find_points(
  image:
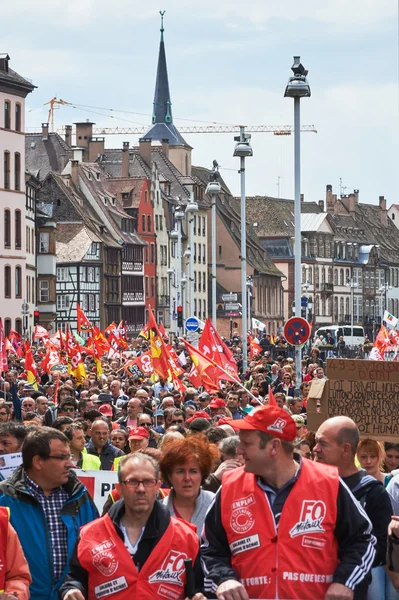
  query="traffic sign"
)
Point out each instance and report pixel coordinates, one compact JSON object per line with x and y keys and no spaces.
{"x":192,"y":324}
{"x":193,"y":338}
{"x":230,"y":297}
{"x":25,"y":308}
{"x":232,"y":306}
{"x":296,"y":331}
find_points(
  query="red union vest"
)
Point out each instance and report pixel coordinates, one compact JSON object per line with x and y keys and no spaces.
{"x":112,"y":572}
{"x":298,"y":561}
{"x":4,"y":518}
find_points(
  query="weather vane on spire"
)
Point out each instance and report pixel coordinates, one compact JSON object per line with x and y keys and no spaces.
{"x":162,"y":12}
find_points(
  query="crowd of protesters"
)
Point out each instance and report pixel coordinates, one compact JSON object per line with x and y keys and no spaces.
{"x":203,"y":475}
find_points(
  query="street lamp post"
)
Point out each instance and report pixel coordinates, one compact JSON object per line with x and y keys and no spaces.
{"x":384,"y":304}
{"x":297,"y":88}
{"x":249,"y":292}
{"x":191,"y":209}
{"x":352,"y":284}
{"x":171,"y":272}
{"x":243,"y":150}
{"x":179,"y":216}
{"x":213,"y":189}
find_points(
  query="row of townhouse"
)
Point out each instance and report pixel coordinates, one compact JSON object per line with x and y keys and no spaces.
{"x":350,"y":256}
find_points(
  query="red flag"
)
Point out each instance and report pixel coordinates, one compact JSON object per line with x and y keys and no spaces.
{"x":52,"y":362}
{"x":382,"y":340}
{"x":162,"y":331}
{"x":213,"y":347}
{"x":174,"y":361}
{"x":254,"y":348}
{"x":40,"y":332}
{"x":9,"y":346}
{"x":75,"y":362}
{"x":144,"y":333}
{"x":143,"y":363}
{"x":111,"y":327}
{"x":14,"y":335}
{"x":393,"y":336}
{"x":208,"y":370}
{"x":83,"y":322}
{"x":272,"y":399}
{"x":3,"y":353}
{"x":100,"y":342}
{"x":30,"y":367}
{"x":159,"y":353}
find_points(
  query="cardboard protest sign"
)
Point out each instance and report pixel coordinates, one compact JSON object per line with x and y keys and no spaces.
{"x":366,"y":391}
{"x":98,"y":484}
{"x":8,"y":464}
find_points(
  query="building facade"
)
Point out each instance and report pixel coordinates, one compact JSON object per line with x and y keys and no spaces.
{"x":13,"y":223}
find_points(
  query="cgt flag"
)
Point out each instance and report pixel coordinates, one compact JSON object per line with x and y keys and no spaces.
{"x":83,"y":322}
{"x":30,"y":367}
{"x":75,"y":362}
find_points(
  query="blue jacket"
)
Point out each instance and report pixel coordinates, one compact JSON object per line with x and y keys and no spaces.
{"x":28,"y":519}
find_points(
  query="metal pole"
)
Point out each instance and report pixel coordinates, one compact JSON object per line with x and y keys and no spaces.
{"x":298,"y":249}
{"x":243,"y":261}
{"x":190,"y":291}
{"x":352,"y":296}
{"x":170,"y":304}
{"x":213,"y":275}
{"x":178,"y":271}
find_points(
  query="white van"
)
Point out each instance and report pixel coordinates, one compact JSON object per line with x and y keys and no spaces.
{"x":353,"y":336}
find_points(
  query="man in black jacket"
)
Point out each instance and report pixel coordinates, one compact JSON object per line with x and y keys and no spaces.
{"x":336,"y":443}
{"x":148,"y":536}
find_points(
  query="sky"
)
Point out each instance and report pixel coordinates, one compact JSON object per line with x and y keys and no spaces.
{"x":229,"y":63}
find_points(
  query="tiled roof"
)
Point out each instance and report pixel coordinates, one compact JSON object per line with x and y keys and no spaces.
{"x":228,"y":209}
{"x":72,"y":242}
{"x":13,"y":79}
{"x":275,"y":216}
{"x":43,"y":156}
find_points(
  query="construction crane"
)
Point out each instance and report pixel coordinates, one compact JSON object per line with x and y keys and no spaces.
{"x":215,"y":128}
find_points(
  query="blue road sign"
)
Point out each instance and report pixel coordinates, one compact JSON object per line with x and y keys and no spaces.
{"x":192,"y":324}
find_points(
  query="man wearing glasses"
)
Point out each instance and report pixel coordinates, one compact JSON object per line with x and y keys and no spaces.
{"x":137,"y":550}
{"x":144,"y":420}
{"x":48,"y":505}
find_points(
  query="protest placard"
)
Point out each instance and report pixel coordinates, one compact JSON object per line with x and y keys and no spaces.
{"x":98,"y":484}
{"x":8,"y":464}
{"x":366,"y":391}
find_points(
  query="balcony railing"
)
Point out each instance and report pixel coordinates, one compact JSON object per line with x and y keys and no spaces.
{"x":326,"y":287}
{"x":163,"y":300}
{"x":133,"y":297}
{"x":128,"y":265}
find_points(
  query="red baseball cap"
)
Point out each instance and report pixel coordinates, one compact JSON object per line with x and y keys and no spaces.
{"x":217,"y":403}
{"x":270,"y":419}
{"x":106,"y":410}
{"x":199,"y":414}
{"x":139,"y":433}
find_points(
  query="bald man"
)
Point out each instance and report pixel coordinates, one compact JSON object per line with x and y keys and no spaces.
{"x":336,"y":444}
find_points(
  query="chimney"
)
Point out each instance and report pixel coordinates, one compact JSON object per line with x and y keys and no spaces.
{"x":145,"y":150}
{"x":302,"y":197}
{"x":96,"y":149}
{"x":68,"y":135}
{"x":352,"y":204}
{"x":356,"y":192}
{"x":165,"y":147}
{"x":74,"y":172}
{"x":383,"y":211}
{"x":125,"y":159}
{"x":4,"y":58}
{"x":44,"y":131}
{"x":84,"y":133}
{"x":321,"y":204}
{"x":330,"y":200}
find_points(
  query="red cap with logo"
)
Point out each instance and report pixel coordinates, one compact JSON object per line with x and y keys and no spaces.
{"x":199,"y":414}
{"x":269,"y":419}
{"x":217,"y":403}
{"x":139,"y":433}
{"x":106,"y":410}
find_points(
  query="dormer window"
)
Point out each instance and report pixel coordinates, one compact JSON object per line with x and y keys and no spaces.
{"x":112,"y":201}
{"x":105,"y":200}
{"x":98,"y":176}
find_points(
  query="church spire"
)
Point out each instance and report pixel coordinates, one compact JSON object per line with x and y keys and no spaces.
{"x":162,"y":108}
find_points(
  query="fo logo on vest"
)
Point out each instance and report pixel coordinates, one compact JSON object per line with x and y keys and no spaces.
{"x":312,"y":516}
{"x":103,"y":559}
{"x":171,"y":570}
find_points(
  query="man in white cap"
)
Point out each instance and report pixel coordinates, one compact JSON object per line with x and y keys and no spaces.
{"x":283,"y":528}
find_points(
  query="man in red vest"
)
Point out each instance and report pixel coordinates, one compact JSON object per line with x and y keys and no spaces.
{"x":14,"y":571}
{"x":282,"y":526}
{"x":137,"y":550}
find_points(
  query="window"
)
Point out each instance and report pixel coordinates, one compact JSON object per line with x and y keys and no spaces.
{"x":153,"y":286}
{"x":148,"y":222}
{"x":195,"y":281}
{"x":341,"y":277}
{"x":62,"y":302}
{"x":18,"y":326}
{"x":44,"y":243}
{"x":152,"y":253}
{"x":83,"y":272}
{"x":62,"y":274}
{"x":18,"y":282}
{"x":7,"y":327}
{"x":156,"y":222}
{"x":6,"y":170}
{"x":195,"y":252}
{"x":18,"y":232}
{"x":347,"y":306}
{"x":27,"y":239}
{"x":335,"y":276}
{"x":7,"y":114}
{"x":199,"y":287}
{"x":310,"y":275}
{"x":203,"y":226}
{"x":143,"y":222}
{"x":203,"y":254}
{"x":199,"y":307}
{"x":17,"y":117}
{"x":33,"y":290}
{"x":146,"y":287}
{"x":195,"y":307}
{"x":220,"y":251}
{"x":160,"y":222}
{"x":28,"y":289}
{"x":44,"y":288}
{"x":90,"y":274}
{"x":92,"y":302}
{"x":199,"y":253}
{"x":146,"y":197}
{"x":195,"y":224}
{"x":204,"y":282}
{"x":7,"y":281}
{"x":17,"y":171}
{"x":146,"y":254}
{"x":7,"y":228}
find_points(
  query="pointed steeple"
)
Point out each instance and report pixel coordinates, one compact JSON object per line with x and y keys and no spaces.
{"x":162,"y":108}
{"x":162,"y":119}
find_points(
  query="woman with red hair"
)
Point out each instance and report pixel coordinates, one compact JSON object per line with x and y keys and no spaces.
{"x":185,"y":465}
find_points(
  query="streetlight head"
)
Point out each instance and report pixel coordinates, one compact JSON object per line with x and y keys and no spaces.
{"x":170,"y":271}
{"x":213,"y":187}
{"x":243,"y":150}
{"x":179,"y":213}
{"x":187,"y":253}
{"x":183,"y":280}
{"x":298,"y":86}
{"x":298,"y":68}
{"x":174,"y":235}
{"x":192,"y":207}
